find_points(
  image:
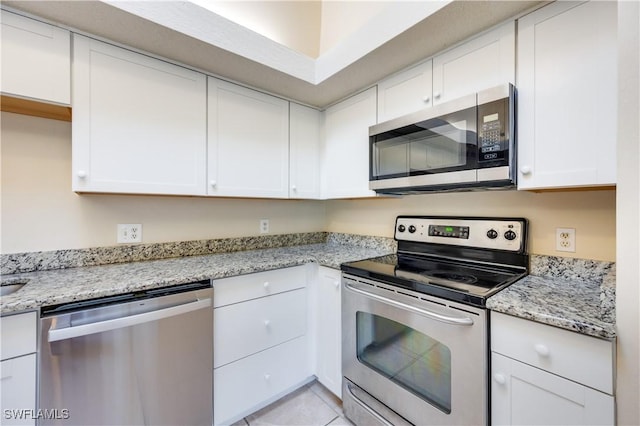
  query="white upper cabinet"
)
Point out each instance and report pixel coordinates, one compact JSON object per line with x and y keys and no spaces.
{"x":36,"y":60}
{"x":567,"y":102}
{"x":406,"y":92}
{"x":139,"y":124}
{"x":304,"y":151}
{"x":480,"y":63}
{"x":345,"y":154}
{"x":248,"y":142}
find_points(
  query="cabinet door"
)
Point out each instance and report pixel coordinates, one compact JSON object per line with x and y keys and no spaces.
{"x":567,"y":101}
{"x":480,"y":63}
{"x":406,"y":92}
{"x":248,"y":142}
{"x":345,"y":156}
{"x":524,"y":395}
{"x":139,"y":124}
{"x":329,"y":330}
{"x":36,"y":60}
{"x":305,"y":126}
{"x":18,"y":391}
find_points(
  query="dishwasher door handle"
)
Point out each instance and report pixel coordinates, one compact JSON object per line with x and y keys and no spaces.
{"x":99,"y":327}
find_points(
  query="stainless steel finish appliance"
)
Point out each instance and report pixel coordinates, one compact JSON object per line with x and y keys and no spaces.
{"x":461,"y":144}
{"x":134,"y":359}
{"x":415,"y":339}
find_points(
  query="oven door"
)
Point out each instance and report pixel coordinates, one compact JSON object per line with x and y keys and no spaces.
{"x":422,"y":357}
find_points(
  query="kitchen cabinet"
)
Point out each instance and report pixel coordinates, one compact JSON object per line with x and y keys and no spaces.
{"x":261,"y":348}
{"x":36,"y":60}
{"x":479,"y":63}
{"x":406,"y":92}
{"x":305,"y":127}
{"x":18,"y":369}
{"x":328,"y":329}
{"x":248,"y":142}
{"x":567,"y":96}
{"x":139,"y":123}
{"x":545,"y":375}
{"x":345,"y":150}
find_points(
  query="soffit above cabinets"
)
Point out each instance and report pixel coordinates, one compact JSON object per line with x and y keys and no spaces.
{"x":182,"y":32}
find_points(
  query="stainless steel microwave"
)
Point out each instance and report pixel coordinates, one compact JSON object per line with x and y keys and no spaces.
{"x":466,"y":143}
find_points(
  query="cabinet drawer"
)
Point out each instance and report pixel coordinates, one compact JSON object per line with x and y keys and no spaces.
{"x":247,"y":385}
{"x":18,"y":382}
{"x":245,"y":328}
{"x":18,"y":335}
{"x":251,"y":286}
{"x":577,"y":357}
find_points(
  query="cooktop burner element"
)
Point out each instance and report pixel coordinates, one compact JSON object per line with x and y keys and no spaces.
{"x":457,"y":258}
{"x":452,"y":276}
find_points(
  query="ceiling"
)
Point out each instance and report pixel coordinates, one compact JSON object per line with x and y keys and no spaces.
{"x":186,"y":33}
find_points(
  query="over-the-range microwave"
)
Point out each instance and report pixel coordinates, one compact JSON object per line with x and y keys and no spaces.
{"x":466,"y":143}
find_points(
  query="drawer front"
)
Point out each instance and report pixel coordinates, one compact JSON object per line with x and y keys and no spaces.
{"x":18,"y":390}
{"x":245,"y":328}
{"x":245,"y":386}
{"x":18,"y":335}
{"x":251,"y":286}
{"x":577,"y":357}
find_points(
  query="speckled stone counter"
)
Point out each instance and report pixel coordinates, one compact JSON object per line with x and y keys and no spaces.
{"x":574,"y":294}
{"x":52,"y":287}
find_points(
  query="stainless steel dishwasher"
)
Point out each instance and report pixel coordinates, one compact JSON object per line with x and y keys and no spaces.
{"x":134,"y":359}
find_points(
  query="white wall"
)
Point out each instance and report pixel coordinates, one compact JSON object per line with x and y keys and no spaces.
{"x":340,"y":19}
{"x":40,"y":212}
{"x":628,"y":206}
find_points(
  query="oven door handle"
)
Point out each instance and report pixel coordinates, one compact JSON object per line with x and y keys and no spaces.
{"x":429,"y":314}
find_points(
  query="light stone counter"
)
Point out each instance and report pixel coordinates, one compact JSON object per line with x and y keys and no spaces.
{"x":53,"y":287}
{"x":577,"y":295}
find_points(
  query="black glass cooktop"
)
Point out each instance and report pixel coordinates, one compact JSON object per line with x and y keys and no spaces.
{"x":454,"y":280}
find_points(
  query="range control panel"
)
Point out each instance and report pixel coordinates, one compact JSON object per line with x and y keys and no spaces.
{"x":490,"y":233}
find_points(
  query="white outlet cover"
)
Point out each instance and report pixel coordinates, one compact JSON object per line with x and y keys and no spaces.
{"x":264,"y":226}
{"x":566,"y":239}
{"x":129,"y":233}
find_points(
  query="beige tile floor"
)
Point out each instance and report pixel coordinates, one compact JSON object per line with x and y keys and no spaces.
{"x":311,"y":405}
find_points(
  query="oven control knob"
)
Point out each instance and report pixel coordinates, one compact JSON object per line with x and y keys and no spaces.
{"x":401,"y":228}
{"x":510,"y":235}
{"x":412,"y":229}
{"x":492,"y":234}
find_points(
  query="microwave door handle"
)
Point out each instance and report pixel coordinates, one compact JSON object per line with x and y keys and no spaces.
{"x":122,"y":322}
{"x":429,"y":314}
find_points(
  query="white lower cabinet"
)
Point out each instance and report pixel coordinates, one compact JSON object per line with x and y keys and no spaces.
{"x":328,"y":329}
{"x":544,"y":375}
{"x":18,"y":369}
{"x":261,"y":348}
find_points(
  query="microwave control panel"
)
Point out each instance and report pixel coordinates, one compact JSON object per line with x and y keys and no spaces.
{"x":493,"y":133}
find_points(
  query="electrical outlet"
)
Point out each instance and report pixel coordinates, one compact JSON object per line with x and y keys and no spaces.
{"x":264,"y":226}
{"x":566,"y":239}
{"x":129,"y":233}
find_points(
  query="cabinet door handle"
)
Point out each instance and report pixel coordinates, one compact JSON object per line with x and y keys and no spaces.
{"x":213,"y":183}
{"x":267,"y":376}
{"x":266,"y":284}
{"x":525,"y":170}
{"x":542,"y":350}
{"x":82,"y":174}
{"x":336,"y":283}
{"x":499,"y":378}
{"x":267,"y":323}
{"x":294,"y":188}
{"x":426,"y":99}
{"x":436,"y":95}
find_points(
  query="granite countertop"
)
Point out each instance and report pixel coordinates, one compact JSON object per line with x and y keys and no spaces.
{"x":573,"y":301}
{"x":53,"y":287}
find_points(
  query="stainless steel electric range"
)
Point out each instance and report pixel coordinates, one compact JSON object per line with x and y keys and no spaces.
{"x":415,"y":344}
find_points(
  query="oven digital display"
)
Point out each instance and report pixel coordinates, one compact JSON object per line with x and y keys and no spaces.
{"x":449,"y":231}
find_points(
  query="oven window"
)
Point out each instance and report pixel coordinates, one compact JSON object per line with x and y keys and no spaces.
{"x":409,"y":358}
